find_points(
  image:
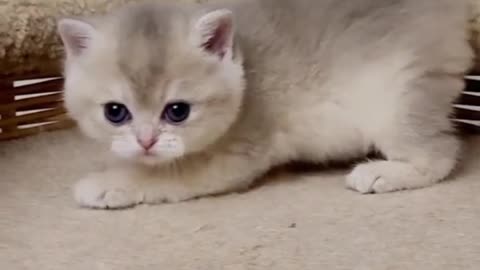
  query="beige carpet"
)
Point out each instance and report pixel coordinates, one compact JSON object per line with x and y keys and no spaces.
{"x":306,"y":222}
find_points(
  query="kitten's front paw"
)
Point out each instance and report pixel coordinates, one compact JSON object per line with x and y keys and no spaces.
{"x":377,"y":177}
{"x":95,"y":192}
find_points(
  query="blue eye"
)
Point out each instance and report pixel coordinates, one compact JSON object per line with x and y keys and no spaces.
{"x":176,"y":113}
{"x":116,"y":113}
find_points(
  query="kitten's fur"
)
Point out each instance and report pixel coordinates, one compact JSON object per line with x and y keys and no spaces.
{"x":309,"y":80}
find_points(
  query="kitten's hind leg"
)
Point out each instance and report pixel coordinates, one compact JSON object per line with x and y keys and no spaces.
{"x":418,"y":141}
{"x":413,"y":169}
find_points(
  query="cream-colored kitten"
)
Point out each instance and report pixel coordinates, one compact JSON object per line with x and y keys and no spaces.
{"x":204,"y":99}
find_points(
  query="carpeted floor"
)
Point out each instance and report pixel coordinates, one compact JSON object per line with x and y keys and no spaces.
{"x":307,"y":221}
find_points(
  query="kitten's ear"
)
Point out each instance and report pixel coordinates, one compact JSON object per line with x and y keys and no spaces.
{"x":76,"y":35}
{"x":214,"y":32}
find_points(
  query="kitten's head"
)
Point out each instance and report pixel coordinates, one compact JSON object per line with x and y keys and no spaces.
{"x":155,"y":82}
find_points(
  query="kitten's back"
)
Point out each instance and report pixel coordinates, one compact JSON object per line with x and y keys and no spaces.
{"x":306,"y":40}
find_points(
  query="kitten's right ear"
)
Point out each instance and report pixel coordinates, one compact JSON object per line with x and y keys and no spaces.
{"x":76,"y":35}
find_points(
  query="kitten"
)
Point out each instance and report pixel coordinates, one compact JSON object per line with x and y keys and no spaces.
{"x":203,"y":99}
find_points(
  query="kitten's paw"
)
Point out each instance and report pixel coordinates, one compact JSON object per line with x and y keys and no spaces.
{"x":379,"y":177}
{"x":95,"y":192}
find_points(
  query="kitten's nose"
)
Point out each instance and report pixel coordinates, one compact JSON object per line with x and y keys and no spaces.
{"x":147,"y":143}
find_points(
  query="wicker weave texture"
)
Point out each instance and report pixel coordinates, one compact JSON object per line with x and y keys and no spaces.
{"x":26,"y":109}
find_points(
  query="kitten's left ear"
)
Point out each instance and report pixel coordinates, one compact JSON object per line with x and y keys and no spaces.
{"x":213,"y":32}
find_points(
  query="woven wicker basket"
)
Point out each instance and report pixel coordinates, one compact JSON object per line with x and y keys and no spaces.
{"x":31,"y":104}
{"x":467,"y":107}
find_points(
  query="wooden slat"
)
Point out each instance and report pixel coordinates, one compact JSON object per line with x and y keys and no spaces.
{"x":55,"y":118}
{"x":42,"y":106}
{"x":20,"y":133}
{"x":472,"y":85}
{"x":54,"y":85}
{"x":5,"y":111}
{"x":466,"y":114}
{"x":30,"y":76}
{"x":468,"y":99}
{"x":467,"y":128}
{"x":22,"y":103}
{"x":30,"y":118}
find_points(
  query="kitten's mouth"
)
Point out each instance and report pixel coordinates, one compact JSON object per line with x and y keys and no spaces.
{"x":148,"y":159}
{"x":149,"y":154}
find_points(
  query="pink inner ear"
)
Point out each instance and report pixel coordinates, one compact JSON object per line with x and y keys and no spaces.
{"x":76,"y":35}
{"x":78,"y":43}
{"x":218,"y":42}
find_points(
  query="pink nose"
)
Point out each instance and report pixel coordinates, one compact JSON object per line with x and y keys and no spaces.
{"x":147,"y":144}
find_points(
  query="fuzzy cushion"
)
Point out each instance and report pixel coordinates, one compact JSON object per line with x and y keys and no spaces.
{"x":28,"y":39}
